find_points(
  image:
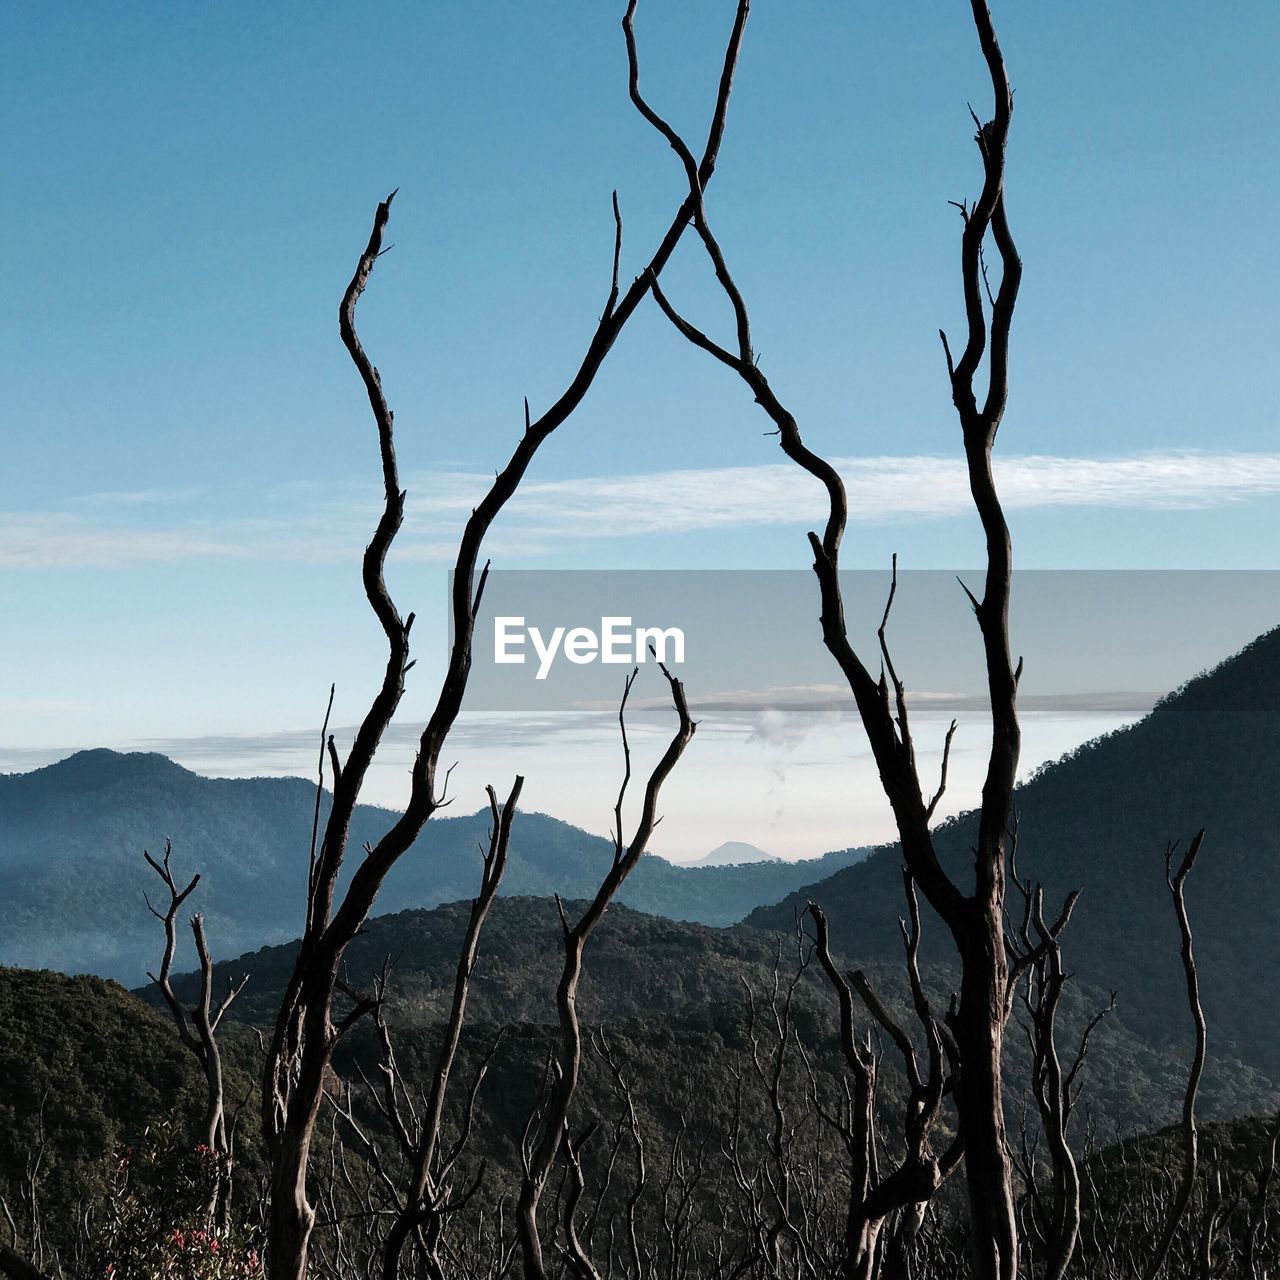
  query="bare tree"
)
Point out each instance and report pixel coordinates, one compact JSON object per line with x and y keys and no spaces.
{"x":770,"y":1164}
{"x":429,"y":1195}
{"x":1055,"y":1225}
{"x":1259,"y":1210}
{"x":566,"y":1065}
{"x":418,"y":1190}
{"x":40,"y":1254}
{"x":975,"y":919}
{"x":906,"y":1190}
{"x":1181,"y":1200}
{"x":309,"y":1026}
{"x":198,"y":1026}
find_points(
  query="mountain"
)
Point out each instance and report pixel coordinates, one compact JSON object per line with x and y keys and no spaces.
{"x":644,"y":969}
{"x":639,"y":965}
{"x":72,"y":877}
{"x":1100,"y":819}
{"x":734,"y":853}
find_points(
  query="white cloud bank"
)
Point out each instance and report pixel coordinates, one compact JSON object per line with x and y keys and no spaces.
{"x":894,"y":488}
{"x":881,"y":490}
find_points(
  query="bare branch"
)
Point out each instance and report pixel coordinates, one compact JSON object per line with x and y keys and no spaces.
{"x":1190,"y":1136}
{"x":567,"y":1064}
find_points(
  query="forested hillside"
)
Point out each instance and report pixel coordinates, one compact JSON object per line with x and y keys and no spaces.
{"x":86,"y":1067}
{"x":671,"y":998}
{"x":646,"y":968}
{"x":1100,"y":819}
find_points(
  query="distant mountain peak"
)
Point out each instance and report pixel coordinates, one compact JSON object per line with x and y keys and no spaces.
{"x":102,"y":767}
{"x":735,"y":853}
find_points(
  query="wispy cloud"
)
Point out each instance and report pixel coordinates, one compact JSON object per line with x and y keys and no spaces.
{"x":64,"y":541}
{"x":114,"y":529}
{"x":893,"y":489}
{"x":137,"y":497}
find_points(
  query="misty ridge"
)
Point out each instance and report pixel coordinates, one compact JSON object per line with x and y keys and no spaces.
{"x":260,"y":1028}
{"x":72,"y":835}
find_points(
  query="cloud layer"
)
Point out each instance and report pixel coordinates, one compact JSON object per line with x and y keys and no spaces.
{"x":895,"y":488}
{"x":114,"y":530}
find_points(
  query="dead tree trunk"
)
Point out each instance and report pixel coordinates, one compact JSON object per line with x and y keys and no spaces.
{"x":308,"y":1026}
{"x":873,"y":1197}
{"x":426,"y":1201}
{"x":1190,"y":1137}
{"x":975,"y":918}
{"x":552,"y":1124}
{"x":1255,"y":1232}
{"x":1037,"y":948}
{"x":419,"y":1194}
{"x":198,"y":1028}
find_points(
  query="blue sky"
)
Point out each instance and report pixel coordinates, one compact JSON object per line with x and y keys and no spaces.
{"x":189,"y":466}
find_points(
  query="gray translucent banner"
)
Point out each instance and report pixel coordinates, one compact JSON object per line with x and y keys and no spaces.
{"x":565,"y":640}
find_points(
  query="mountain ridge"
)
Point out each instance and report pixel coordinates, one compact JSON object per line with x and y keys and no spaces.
{"x":72,"y":876}
{"x":642,"y":967}
{"x":1100,"y":819}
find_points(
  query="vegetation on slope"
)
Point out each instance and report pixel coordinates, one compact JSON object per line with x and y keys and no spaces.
{"x":1100,"y":819}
